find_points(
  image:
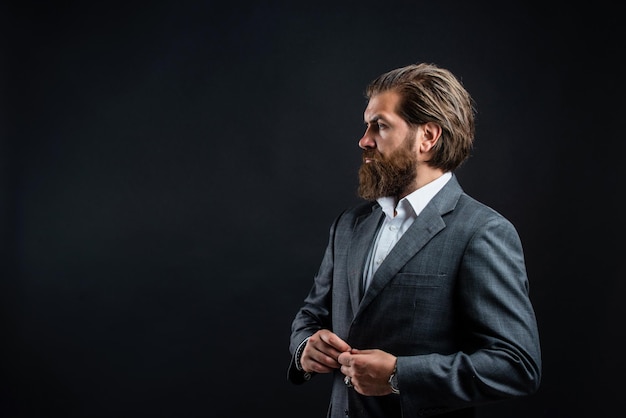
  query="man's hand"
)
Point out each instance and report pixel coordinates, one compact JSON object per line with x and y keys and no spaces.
{"x":322,"y":351}
{"x":369,"y":370}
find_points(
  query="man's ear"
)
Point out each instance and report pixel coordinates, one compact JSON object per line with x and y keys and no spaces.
{"x":431,"y":134}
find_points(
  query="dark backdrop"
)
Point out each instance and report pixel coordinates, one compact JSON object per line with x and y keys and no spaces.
{"x":169,"y":171}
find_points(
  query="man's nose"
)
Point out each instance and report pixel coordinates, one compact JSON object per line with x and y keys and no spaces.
{"x":367,"y":141}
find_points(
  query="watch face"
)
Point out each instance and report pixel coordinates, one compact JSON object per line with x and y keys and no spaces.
{"x":393,"y":382}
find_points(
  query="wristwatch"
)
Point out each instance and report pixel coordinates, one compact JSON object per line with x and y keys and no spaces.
{"x":393,"y":381}
{"x":298,"y":355}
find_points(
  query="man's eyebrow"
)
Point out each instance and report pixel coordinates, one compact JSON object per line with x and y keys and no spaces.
{"x":375,"y":119}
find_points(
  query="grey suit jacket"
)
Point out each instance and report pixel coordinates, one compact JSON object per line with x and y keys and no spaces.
{"x":451,"y":300}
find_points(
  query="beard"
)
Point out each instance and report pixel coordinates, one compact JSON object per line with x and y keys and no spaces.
{"x":388,"y":176}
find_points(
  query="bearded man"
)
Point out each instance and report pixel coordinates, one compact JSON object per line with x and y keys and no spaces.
{"x":421,"y":304}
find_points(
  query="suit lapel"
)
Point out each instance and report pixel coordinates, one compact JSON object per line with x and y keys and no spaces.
{"x":364,"y":233}
{"x":427,"y":225}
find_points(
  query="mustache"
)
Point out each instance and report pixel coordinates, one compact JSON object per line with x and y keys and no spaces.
{"x":372,"y":154}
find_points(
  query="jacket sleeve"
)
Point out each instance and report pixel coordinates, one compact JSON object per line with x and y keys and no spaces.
{"x":315,"y":313}
{"x":501,"y":358}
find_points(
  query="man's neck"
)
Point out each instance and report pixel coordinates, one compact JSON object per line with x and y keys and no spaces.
{"x":424,"y":175}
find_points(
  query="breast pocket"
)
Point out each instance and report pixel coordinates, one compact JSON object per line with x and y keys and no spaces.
{"x":418,"y":303}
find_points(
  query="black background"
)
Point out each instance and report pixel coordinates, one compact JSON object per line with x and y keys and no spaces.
{"x":169,"y":171}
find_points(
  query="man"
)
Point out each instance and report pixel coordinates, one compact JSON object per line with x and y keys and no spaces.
{"x":421,"y":304}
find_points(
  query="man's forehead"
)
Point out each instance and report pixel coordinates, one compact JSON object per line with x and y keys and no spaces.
{"x":381,"y":106}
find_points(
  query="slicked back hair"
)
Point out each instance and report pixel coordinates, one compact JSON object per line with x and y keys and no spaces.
{"x":429,"y":93}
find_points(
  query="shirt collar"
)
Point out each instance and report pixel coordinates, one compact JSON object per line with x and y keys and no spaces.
{"x":417,"y":200}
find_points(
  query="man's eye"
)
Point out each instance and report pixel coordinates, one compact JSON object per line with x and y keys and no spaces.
{"x":382,"y":126}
